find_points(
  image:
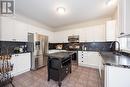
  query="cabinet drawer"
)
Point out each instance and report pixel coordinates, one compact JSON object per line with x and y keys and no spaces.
{"x":82,"y":55}
{"x":84,"y":52}
{"x":81,"y":61}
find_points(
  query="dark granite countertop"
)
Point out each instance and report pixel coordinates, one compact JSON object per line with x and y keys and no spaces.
{"x":20,"y":52}
{"x":60,"y":55}
{"x":115,"y":60}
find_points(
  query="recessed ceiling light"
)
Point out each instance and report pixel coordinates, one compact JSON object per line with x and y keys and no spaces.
{"x":61,"y":10}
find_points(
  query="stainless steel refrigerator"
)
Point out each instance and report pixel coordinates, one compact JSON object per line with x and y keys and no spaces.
{"x":40,"y":49}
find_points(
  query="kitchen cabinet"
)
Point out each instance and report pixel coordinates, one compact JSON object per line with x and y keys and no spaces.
{"x":117,"y":77}
{"x":7,"y":29}
{"x":12,"y":30}
{"x":111,"y":30}
{"x":22,"y":63}
{"x":124,"y":17}
{"x":82,"y":58}
{"x":94,"y":34}
{"x":20,"y":31}
{"x":89,"y":59}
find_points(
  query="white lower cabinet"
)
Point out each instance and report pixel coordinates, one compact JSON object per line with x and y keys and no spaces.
{"x":22,"y":63}
{"x":117,"y":77}
{"x":89,"y":59}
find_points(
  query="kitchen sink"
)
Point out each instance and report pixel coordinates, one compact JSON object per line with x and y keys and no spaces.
{"x":117,"y":53}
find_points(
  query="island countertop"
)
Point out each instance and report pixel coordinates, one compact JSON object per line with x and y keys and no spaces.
{"x":115,"y":60}
{"x":60,"y":55}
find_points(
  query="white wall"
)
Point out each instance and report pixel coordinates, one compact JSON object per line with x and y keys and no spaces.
{"x":34,"y":29}
{"x":88,"y":23}
{"x":87,"y":34}
{"x":35,"y":26}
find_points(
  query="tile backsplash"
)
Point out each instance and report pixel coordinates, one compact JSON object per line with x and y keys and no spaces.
{"x":9,"y":46}
{"x":90,"y":46}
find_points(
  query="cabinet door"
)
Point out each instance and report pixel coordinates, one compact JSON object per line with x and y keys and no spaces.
{"x":95,"y":34}
{"x":121,"y":16}
{"x":117,"y":77}
{"x":124,"y":17}
{"x":26,"y":61}
{"x":20,"y":31}
{"x":99,"y":33}
{"x":127,"y":16}
{"x":21,"y":63}
{"x":110,"y":30}
{"x":90,"y":35}
{"x":7,"y":29}
{"x":93,"y":59}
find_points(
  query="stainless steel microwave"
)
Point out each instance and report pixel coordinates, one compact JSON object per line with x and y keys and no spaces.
{"x":74,"y":38}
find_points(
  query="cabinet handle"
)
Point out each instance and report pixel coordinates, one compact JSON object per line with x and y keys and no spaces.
{"x":82,"y":61}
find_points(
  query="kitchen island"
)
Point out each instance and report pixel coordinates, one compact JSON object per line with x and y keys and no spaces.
{"x":59,"y":66}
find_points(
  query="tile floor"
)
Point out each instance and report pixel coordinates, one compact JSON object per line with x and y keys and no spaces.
{"x":80,"y":77}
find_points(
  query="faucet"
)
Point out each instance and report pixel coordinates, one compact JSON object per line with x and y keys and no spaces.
{"x":118,"y":45}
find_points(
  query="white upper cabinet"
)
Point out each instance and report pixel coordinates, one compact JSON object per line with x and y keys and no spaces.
{"x":12,"y":30}
{"x":20,"y":31}
{"x":88,"y":34}
{"x":124,"y":17}
{"x":127,"y":16}
{"x":111,"y":30}
{"x":95,"y":34}
{"x":7,"y":29}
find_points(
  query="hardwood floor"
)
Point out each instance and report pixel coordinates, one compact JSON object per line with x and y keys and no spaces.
{"x":80,"y":77}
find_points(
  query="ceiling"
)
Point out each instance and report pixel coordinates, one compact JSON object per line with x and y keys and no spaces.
{"x":77,"y":11}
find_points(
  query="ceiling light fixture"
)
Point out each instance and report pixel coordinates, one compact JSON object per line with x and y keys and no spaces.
{"x":61,"y":10}
{"x":109,"y":2}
